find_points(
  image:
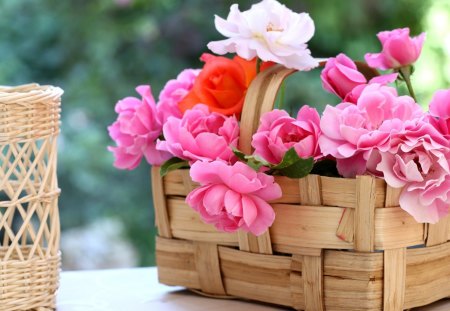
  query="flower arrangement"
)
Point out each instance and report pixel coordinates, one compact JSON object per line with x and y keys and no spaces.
{"x":374,"y":130}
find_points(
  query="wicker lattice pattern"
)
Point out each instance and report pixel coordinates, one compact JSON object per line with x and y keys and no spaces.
{"x":29,"y":219}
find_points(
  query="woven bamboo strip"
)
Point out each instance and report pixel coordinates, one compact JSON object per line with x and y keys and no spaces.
{"x":188,"y":184}
{"x":185,"y":223}
{"x":392,"y":196}
{"x":255,"y":244}
{"x":354,"y":265}
{"x":297,"y":295}
{"x":208,"y":268}
{"x":159,"y":202}
{"x":427,"y":275}
{"x":438,"y":233}
{"x":365,"y":214}
{"x":256,"y":276}
{"x":346,"y":227}
{"x":174,"y":184}
{"x":353,"y":281}
{"x":310,"y":193}
{"x":176,"y":263}
{"x":394,"y":279}
{"x":306,"y":226}
{"x":312,"y":273}
{"x":395,"y":228}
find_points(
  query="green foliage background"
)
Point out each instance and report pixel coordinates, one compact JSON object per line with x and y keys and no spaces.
{"x":98,"y":51}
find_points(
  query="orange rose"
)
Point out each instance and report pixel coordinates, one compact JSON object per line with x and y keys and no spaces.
{"x":221,"y":85}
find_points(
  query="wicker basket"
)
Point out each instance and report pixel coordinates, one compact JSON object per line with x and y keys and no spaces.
{"x":336,"y":244}
{"x":29,"y":220}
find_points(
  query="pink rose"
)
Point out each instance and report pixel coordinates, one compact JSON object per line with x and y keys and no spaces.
{"x":340,"y":76}
{"x":353,"y":95}
{"x":350,"y":132}
{"x":440,"y":112}
{"x":418,"y":161}
{"x":233,"y":197}
{"x":399,"y":49}
{"x":278,"y":132}
{"x":173,"y":92}
{"x":201,"y":135}
{"x":136,"y":130}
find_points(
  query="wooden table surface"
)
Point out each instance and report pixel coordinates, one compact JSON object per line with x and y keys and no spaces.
{"x":138,"y":290}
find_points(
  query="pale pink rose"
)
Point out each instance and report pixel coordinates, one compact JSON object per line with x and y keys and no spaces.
{"x":279,"y":132}
{"x":173,"y":92}
{"x":233,"y":197}
{"x":268,"y":30}
{"x":353,"y":95}
{"x":399,"y":49}
{"x":418,"y":162}
{"x":351,"y":131}
{"x":440,"y":112}
{"x":136,"y":130}
{"x":201,"y":135}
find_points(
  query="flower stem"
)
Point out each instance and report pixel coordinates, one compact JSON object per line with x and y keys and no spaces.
{"x":405,"y":72}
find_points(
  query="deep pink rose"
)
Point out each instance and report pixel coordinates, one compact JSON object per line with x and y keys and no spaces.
{"x":201,"y":135}
{"x":136,"y":130}
{"x":340,"y":76}
{"x":173,"y":92}
{"x":233,"y":197}
{"x":440,"y":112}
{"x":351,"y":131}
{"x":278,"y":132}
{"x":399,"y":49}
{"x":418,"y":162}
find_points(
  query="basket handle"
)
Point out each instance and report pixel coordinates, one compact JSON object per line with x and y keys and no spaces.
{"x":260,"y":98}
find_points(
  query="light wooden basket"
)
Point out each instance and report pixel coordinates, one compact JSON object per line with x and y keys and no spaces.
{"x":29,"y":219}
{"x":336,"y":243}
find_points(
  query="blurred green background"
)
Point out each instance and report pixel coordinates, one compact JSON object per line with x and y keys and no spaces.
{"x":98,"y":51}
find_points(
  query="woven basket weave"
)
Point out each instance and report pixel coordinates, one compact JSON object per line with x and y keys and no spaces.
{"x":336,"y":243}
{"x":29,"y":219}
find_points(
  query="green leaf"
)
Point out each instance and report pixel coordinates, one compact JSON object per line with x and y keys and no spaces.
{"x":299,"y":169}
{"x":254,"y":164}
{"x":239,"y":154}
{"x":293,"y":166}
{"x":254,"y":161}
{"x":173,"y":164}
{"x":289,"y":158}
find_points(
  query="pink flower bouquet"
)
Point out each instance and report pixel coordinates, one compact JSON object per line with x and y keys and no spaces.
{"x":374,"y":130}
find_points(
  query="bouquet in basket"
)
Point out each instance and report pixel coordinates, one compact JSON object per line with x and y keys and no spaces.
{"x":374,"y":130}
